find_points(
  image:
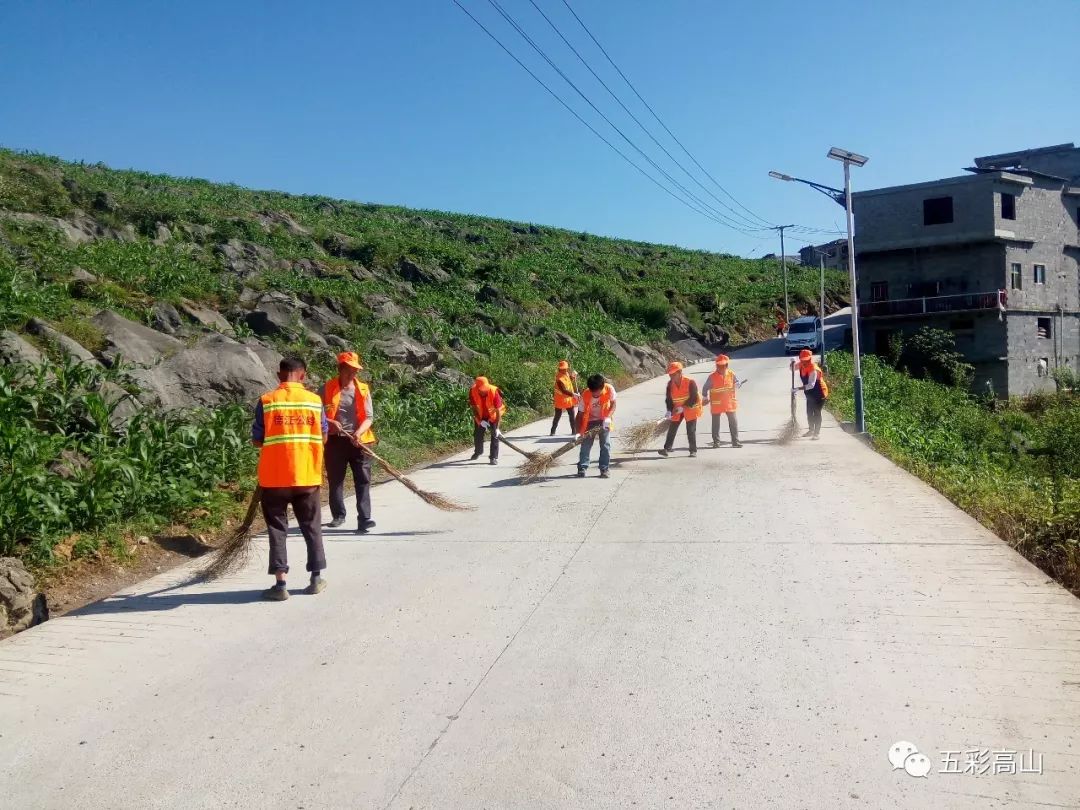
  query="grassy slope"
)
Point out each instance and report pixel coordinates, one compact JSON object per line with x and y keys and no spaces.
{"x":571,"y":282}
{"x":979,"y":455}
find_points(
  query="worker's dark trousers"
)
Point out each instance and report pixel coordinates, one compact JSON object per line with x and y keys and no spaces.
{"x":732,"y":423}
{"x":341,"y":455}
{"x":813,"y":414}
{"x":308,"y":510}
{"x":478,"y":439}
{"x":570,"y":413}
{"x":691,"y":434}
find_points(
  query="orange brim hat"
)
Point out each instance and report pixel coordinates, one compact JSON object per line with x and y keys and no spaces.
{"x":674,"y":367}
{"x":351,"y":359}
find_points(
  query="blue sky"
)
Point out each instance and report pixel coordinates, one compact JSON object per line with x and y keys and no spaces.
{"x":408,"y":102}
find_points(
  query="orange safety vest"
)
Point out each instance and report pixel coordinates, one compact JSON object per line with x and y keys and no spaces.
{"x":679,"y":396}
{"x":332,"y":396}
{"x":607,"y":402}
{"x":563,"y":400}
{"x":482,"y":405}
{"x":721,"y":390}
{"x":804,"y":373}
{"x":292,"y":448}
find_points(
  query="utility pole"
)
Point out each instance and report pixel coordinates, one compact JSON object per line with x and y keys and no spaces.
{"x":821,"y":308}
{"x":783,"y":261}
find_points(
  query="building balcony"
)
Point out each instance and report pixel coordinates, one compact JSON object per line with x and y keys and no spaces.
{"x":932,"y":305}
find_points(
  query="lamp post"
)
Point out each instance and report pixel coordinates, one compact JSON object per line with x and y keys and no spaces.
{"x":843,"y":198}
{"x":783,"y":262}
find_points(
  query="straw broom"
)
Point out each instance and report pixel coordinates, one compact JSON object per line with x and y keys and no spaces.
{"x":232,"y":554}
{"x":431,"y":498}
{"x":640,"y":435}
{"x":529,"y":454}
{"x":789,"y":431}
{"x":540,"y":463}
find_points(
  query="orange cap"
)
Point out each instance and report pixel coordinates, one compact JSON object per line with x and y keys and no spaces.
{"x":674,"y":367}
{"x":805,"y":355}
{"x":563,"y":365}
{"x":351,"y":359}
{"x":482,"y":384}
{"x":722,"y":359}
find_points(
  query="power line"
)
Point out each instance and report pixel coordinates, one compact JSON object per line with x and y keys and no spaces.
{"x":658,"y":119}
{"x":574,"y":113}
{"x":524,"y":35}
{"x":746,"y":222}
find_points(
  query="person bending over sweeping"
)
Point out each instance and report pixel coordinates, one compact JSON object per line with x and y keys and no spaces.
{"x":683,"y":405}
{"x":597,"y":410}
{"x":349,"y":411}
{"x":815,"y":388}
{"x":565,"y":396}
{"x":719,"y":395}
{"x":289,"y":429}
{"x":488,"y":409}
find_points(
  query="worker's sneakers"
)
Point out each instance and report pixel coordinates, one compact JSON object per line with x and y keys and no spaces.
{"x":815,"y":437}
{"x":552,"y":432}
{"x":604,"y":474}
{"x":808,"y":434}
{"x":581,"y":472}
{"x":493,"y":461}
{"x":317,"y":585}
{"x":663,"y":452}
{"x":475,"y":456}
{"x":363,"y":526}
{"x":278,"y":593}
{"x":338,"y":521}
{"x":693,"y":454}
{"x":736,"y":444}
{"x":715,"y":444}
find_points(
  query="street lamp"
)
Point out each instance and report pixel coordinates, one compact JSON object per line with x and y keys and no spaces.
{"x":849,"y":159}
{"x":843,"y":197}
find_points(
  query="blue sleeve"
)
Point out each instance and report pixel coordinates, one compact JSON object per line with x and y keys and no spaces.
{"x":325,"y":422}
{"x":258,"y":426}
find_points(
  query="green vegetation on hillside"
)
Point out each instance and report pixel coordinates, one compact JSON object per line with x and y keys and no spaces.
{"x":520,"y":296}
{"x":1015,"y":466}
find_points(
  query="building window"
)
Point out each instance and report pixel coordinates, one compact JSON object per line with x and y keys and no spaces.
{"x":962,"y":325}
{"x":879,"y":291}
{"x":937,"y":211}
{"x":1016,"y":276}
{"x":1008,"y":206}
{"x":1040,"y":274}
{"x":924,"y":289}
{"x":1044,"y":328}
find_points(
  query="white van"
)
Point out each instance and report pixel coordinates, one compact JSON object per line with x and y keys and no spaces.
{"x":803,"y":333}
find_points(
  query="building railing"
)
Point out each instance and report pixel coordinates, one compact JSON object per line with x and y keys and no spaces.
{"x":929,"y":305}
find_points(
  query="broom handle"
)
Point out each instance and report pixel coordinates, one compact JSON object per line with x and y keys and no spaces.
{"x":566,"y":448}
{"x":513,"y":446}
{"x":382,"y":462}
{"x":793,"y":393}
{"x":253,"y":505}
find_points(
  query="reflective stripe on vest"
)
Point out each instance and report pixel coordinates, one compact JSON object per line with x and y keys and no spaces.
{"x":721,"y":388}
{"x":482,"y":404}
{"x":332,"y":393}
{"x":292,"y":449}
{"x":561,"y":399}
{"x":606,"y":400}
{"x":680,"y":395}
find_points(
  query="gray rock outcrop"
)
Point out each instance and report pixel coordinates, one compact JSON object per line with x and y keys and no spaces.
{"x":21,"y":605}
{"x":217,"y":370}
{"x":690,"y":350}
{"x":640,"y":361}
{"x":68,"y":347}
{"x":412,"y":272}
{"x":246,"y":259}
{"x":132,"y":341}
{"x":382,"y":307}
{"x":403,"y":350}
{"x":13,"y":349}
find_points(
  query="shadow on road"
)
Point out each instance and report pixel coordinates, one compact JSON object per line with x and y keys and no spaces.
{"x":161,"y":600}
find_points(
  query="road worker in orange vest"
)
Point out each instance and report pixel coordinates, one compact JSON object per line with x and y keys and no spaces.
{"x":565,"y":396}
{"x":488,"y":408}
{"x":290,"y":428}
{"x":719,"y":394}
{"x":816,"y":389}
{"x":683,"y":405}
{"x":597,"y":411}
{"x":350,"y":414}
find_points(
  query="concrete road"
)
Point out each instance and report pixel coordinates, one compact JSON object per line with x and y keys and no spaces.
{"x":752,"y":628}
